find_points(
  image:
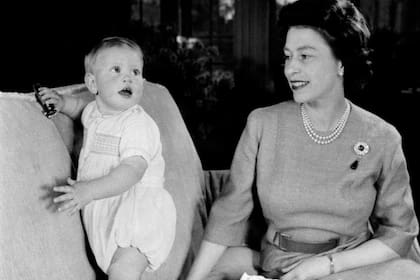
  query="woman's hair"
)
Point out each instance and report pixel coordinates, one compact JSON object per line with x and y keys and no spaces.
{"x":342,"y":26}
{"x":106,"y":43}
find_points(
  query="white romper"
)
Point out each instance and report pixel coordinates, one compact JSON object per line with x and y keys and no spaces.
{"x":144,"y":216}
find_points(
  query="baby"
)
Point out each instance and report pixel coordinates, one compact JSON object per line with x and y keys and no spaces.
{"x":129,"y":217}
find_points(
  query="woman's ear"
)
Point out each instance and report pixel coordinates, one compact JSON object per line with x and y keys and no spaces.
{"x":90,"y":83}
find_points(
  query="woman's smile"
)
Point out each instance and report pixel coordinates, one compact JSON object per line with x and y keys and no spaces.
{"x":297,"y":85}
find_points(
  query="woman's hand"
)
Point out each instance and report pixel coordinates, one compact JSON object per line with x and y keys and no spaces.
{"x":74,"y":197}
{"x":308,"y":269}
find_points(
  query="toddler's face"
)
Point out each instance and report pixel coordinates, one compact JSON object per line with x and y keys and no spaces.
{"x":118,"y":79}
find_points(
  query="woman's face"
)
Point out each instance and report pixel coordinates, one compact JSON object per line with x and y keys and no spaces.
{"x":310,"y":66}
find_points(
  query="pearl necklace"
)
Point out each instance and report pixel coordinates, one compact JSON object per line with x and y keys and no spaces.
{"x":323,"y":140}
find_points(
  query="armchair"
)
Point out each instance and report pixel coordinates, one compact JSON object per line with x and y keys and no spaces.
{"x":37,"y":153}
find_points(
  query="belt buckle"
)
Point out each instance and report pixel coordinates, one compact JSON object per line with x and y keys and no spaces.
{"x":282,"y":239}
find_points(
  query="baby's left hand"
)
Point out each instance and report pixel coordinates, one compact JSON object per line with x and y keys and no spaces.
{"x":74,"y":198}
{"x":308,"y":269}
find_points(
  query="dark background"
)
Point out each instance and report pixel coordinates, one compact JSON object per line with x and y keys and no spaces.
{"x":45,"y":42}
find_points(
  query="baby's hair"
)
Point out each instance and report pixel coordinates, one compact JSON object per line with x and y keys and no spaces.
{"x":106,"y":43}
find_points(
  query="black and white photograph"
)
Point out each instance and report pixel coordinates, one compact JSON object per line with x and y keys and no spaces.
{"x":209,"y":140}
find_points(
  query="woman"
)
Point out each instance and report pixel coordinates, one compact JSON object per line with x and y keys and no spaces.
{"x":331,"y":177}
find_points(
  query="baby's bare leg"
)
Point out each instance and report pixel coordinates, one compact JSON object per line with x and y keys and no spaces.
{"x":127,"y":264}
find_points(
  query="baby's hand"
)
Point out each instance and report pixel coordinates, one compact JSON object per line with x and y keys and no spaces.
{"x":74,"y":198}
{"x":51,"y":96}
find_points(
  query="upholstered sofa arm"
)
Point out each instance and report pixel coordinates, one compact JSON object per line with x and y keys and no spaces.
{"x":36,"y":241}
{"x":39,"y":153}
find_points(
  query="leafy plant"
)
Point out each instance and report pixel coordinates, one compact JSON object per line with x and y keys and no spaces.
{"x":188,"y":68}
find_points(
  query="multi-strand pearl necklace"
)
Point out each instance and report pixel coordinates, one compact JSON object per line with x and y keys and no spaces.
{"x":323,"y":140}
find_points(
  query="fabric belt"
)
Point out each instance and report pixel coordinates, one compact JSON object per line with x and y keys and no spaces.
{"x":285,"y":243}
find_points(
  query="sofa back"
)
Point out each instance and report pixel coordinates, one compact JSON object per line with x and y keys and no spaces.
{"x":29,"y":216}
{"x":183,"y":179}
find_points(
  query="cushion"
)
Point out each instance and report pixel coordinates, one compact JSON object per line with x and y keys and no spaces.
{"x":183,"y":180}
{"x":36,"y":241}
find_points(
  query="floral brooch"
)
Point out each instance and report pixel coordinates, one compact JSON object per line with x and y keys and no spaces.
{"x":361,"y":148}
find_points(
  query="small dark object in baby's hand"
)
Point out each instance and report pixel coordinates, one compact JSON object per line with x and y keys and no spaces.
{"x":47,"y":109}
